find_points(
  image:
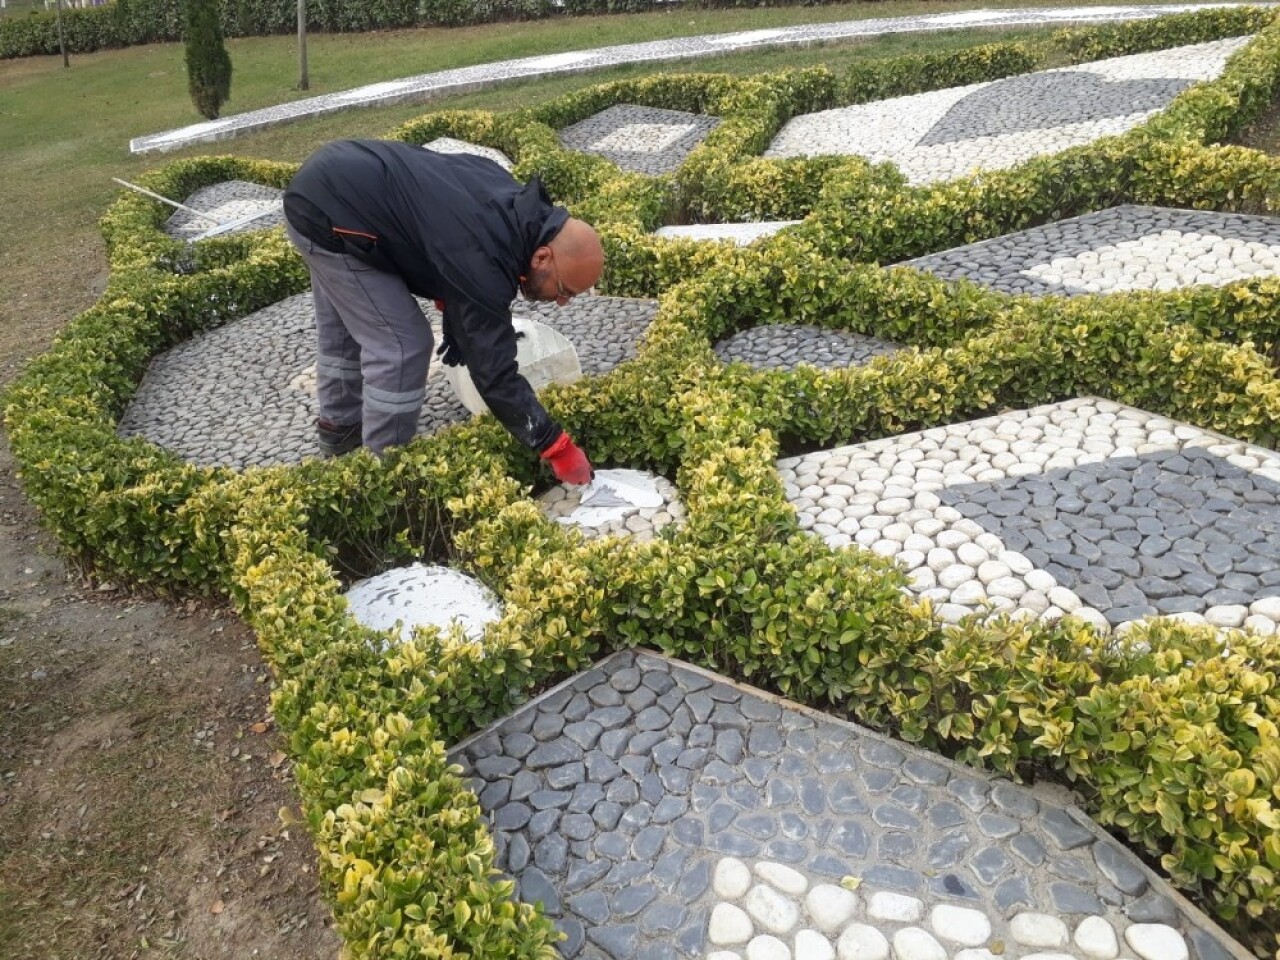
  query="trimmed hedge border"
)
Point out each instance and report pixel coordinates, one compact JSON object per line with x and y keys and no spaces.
{"x":1171,"y":740}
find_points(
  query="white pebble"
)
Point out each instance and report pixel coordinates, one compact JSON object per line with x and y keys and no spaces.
{"x":767,"y":948}
{"x":1262,"y":626}
{"x":830,"y":907}
{"x":1268,"y":607}
{"x":1038,"y":930}
{"x":969,"y":593}
{"x":989,"y":570}
{"x":894,"y":906}
{"x":1227,"y":615}
{"x":1064,"y":599}
{"x":1096,"y":939}
{"x":1041,"y":580}
{"x":940,"y":558}
{"x":1016,"y":562}
{"x":955,"y":575}
{"x":784,"y":878}
{"x":1156,"y":941}
{"x":922,"y":578}
{"x":861,"y":942}
{"x":1010,"y":587}
{"x":912,"y":943}
{"x":729,"y":924}
{"x":811,"y":945}
{"x":732,"y":878}
{"x":961,"y":925}
{"x":771,"y":910}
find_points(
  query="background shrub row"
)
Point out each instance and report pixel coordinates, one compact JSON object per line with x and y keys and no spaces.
{"x":1171,"y":740}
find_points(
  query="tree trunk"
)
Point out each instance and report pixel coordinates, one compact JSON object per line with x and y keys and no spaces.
{"x":303,"y":81}
{"x":62,"y":41}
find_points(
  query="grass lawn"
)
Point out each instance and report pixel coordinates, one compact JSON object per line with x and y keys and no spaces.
{"x":66,"y":131}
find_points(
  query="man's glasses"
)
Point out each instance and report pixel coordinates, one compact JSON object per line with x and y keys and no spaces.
{"x":563,"y":295}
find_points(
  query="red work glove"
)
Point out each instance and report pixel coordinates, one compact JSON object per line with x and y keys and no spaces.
{"x":567,"y":461}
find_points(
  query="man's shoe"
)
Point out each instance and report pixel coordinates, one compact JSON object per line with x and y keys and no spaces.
{"x":335,"y":440}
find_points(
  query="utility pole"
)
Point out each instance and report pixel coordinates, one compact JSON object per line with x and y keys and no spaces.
{"x":303,"y":82}
{"x":62,"y":42}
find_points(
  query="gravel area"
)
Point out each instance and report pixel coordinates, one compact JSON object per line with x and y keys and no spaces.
{"x":243,"y":394}
{"x":1123,"y":248}
{"x":640,"y":139}
{"x":227,"y":201}
{"x":785,"y":346}
{"x":659,"y":811}
{"x":1084,"y":507}
{"x":945,"y":134}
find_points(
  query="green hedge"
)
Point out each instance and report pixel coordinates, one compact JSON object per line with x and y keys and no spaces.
{"x":1169,"y":739}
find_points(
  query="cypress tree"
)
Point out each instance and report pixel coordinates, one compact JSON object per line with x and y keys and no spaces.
{"x":208,"y":64}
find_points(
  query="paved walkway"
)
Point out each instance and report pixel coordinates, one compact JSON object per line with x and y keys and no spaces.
{"x":428,"y":85}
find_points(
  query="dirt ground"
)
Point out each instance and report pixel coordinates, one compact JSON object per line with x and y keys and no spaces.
{"x":144,"y":799}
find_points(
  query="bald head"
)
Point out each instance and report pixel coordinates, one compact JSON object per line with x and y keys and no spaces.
{"x":579,"y":253}
{"x":567,"y":266}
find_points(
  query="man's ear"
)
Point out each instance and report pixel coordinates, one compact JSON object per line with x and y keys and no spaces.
{"x":541,"y":257}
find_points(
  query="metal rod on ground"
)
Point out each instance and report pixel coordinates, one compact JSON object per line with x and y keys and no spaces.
{"x":172,"y":203}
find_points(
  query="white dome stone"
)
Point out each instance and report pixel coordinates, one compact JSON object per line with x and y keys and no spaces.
{"x":420,"y":595}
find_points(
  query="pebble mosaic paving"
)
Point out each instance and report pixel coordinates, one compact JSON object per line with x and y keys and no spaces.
{"x":244,"y":394}
{"x":740,"y":233}
{"x":659,"y":812}
{"x":228,"y":201}
{"x":946,"y":134}
{"x":428,"y":85}
{"x":1123,"y":248}
{"x":565,"y":504}
{"x":1084,"y":507}
{"x":640,"y":139}
{"x":452,"y":145}
{"x":785,"y":346}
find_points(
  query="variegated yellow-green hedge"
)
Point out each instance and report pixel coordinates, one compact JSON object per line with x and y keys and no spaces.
{"x":1171,"y":742}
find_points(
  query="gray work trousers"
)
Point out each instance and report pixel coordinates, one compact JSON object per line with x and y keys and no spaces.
{"x":373,"y":346}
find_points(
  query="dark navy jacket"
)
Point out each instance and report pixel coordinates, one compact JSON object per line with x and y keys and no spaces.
{"x":456,"y":228}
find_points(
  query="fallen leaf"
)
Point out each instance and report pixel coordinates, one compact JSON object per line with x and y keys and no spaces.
{"x":217,"y":907}
{"x":258,"y":727}
{"x":278,"y":758}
